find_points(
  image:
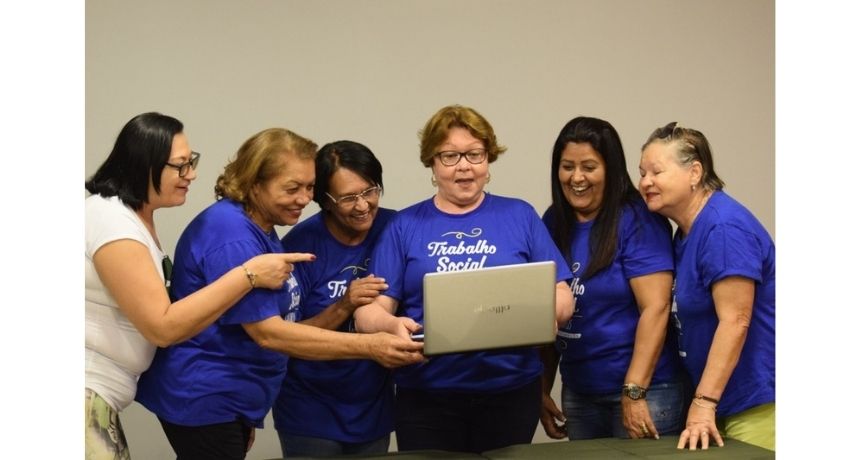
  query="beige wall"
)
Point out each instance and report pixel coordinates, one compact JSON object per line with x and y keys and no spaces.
{"x":374,"y":71}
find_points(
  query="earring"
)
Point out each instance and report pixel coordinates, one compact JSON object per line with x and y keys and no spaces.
{"x":693,"y":187}
{"x":433,"y":180}
{"x":488,"y":178}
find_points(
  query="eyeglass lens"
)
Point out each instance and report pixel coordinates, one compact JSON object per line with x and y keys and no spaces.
{"x":450,"y":158}
{"x":351,"y":200}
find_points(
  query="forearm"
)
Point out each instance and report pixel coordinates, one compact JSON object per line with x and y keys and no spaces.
{"x":650,"y":338}
{"x":549,"y":356}
{"x":332,"y":316}
{"x":308,"y":342}
{"x":723,"y":356}
{"x":189,"y":316}
{"x":375,"y":318}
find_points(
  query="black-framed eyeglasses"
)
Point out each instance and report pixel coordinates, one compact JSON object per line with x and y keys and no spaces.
{"x":474,"y":156}
{"x":349,"y":201}
{"x":187,"y":166}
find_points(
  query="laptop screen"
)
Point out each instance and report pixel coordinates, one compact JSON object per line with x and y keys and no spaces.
{"x":495,"y":307}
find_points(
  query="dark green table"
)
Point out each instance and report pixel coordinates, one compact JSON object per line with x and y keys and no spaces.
{"x":610,"y":448}
{"x":592,"y":449}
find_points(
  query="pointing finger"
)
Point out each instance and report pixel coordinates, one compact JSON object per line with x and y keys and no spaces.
{"x":299,"y":257}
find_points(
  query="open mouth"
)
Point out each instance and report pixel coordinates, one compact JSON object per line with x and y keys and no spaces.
{"x":578,"y":190}
{"x":361,"y":217}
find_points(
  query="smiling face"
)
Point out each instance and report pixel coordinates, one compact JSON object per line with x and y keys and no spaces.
{"x":350,"y":222}
{"x":461,"y":186}
{"x":582,"y":176}
{"x":174,"y":188}
{"x":665,"y":184}
{"x":280,"y":201}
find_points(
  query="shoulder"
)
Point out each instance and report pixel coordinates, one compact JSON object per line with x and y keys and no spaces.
{"x":417,"y":211}
{"x":222,"y":215}
{"x":509,"y":204}
{"x":636,"y":214}
{"x":730,"y":215}
{"x":109,"y":212}
{"x":108,"y":219}
{"x":222,"y":226}
{"x":300,"y":235}
{"x":311,"y":225}
{"x":384,"y":216}
{"x":97,"y":204}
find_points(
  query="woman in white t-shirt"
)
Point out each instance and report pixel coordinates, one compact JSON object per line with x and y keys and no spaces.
{"x":128,"y":308}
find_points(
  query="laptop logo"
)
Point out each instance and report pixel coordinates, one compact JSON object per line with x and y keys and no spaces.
{"x":496,"y":309}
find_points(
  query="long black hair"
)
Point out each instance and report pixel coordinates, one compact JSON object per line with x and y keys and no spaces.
{"x":618,"y":190}
{"x":139,"y":154}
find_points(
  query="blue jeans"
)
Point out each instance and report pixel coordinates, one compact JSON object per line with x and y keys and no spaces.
{"x":307,"y":446}
{"x":599,"y":416}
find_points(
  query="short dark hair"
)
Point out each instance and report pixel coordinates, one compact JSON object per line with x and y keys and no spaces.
{"x":350,"y":155}
{"x":139,"y":154}
{"x":618,"y":191}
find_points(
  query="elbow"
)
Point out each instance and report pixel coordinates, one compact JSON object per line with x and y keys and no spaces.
{"x":741,"y":321}
{"x":163,"y":339}
{"x":264,"y":340}
{"x":738,"y":323}
{"x":265,"y":343}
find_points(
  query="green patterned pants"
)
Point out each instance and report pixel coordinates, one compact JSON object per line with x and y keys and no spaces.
{"x":104,"y":438}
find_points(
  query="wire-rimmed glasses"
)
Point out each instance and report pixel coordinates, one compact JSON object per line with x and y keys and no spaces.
{"x":349,"y":201}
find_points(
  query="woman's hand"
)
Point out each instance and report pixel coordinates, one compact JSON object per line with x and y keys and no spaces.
{"x":392,"y":351}
{"x":362,"y":291}
{"x":701,"y":426}
{"x":549,"y":413}
{"x":637,"y":419}
{"x":273,"y":270}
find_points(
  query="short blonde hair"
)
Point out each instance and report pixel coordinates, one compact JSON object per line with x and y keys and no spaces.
{"x":257,"y":161}
{"x":436,"y":130}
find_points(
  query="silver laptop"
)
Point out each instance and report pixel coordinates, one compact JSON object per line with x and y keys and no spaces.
{"x":487,"y":308}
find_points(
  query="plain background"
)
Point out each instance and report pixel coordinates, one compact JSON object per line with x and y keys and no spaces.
{"x":374,"y":71}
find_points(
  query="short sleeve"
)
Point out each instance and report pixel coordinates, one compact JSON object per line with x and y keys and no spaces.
{"x":257,"y":305}
{"x":730,"y":251}
{"x":646,"y":244}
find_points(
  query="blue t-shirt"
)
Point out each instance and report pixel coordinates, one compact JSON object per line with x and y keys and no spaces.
{"x":596,"y":345}
{"x":220,"y":375}
{"x":422,"y":239}
{"x":727,"y":240}
{"x":343,"y":400}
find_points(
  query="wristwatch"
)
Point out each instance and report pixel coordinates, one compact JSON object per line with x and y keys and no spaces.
{"x":633,"y":391}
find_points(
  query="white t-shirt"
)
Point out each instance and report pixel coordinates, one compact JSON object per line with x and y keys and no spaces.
{"x":116,"y":353}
